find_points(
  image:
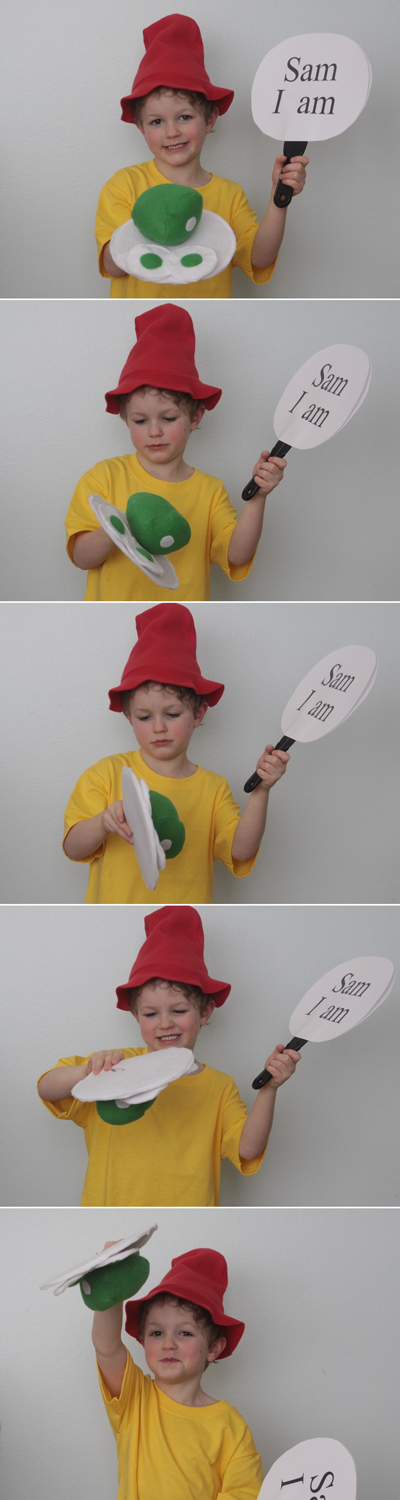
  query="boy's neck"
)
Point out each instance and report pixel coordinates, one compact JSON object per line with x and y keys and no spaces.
{"x":178,"y":768}
{"x":186,"y":1393}
{"x":190,"y":175}
{"x":174,"y":472}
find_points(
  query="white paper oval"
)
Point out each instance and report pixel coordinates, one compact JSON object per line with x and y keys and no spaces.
{"x":158,"y":568}
{"x":146,"y":844}
{"x":319,"y":1466}
{"x":316,"y":107}
{"x":215,"y":241}
{"x":135,"y":1076}
{"x":342,"y":998}
{"x":118,"y":1251}
{"x":329,"y":693}
{"x":323,"y":395}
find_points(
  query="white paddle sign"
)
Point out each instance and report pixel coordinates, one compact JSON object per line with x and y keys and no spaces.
{"x":314,"y":85}
{"x":315,"y":1467}
{"x":325,"y":697}
{"x":338,"y":1002}
{"x":319,"y":400}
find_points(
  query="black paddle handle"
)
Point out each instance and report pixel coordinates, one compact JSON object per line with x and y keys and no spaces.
{"x":254,"y":780}
{"x":279,"y":451}
{"x":283,"y":195}
{"x":264,"y":1077}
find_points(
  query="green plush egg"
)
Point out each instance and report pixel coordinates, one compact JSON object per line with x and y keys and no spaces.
{"x":103,"y":1286}
{"x":110,"y":1111}
{"x":156,"y":525}
{"x":168,"y":213}
{"x":170,"y":830}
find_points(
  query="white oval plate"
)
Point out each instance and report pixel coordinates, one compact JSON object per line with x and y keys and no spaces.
{"x":160,"y":569}
{"x":214,"y":239}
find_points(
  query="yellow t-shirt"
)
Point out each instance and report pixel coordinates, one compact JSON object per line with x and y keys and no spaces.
{"x":171,"y":1452}
{"x":220,"y":196}
{"x":205,"y":806}
{"x":172,"y":1155}
{"x":203,"y":501}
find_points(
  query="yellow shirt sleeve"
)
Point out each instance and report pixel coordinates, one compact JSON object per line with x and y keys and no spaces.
{"x":234,"y":1115}
{"x":222,"y":524}
{"x":227,"y":814}
{"x":161,"y":1444}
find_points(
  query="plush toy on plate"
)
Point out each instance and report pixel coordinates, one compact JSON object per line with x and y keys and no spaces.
{"x":110,"y":1277}
{"x":151,"y":528}
{"x":171,"y":238}
{"x":124,"y":1092}
{"x":158,"y":833}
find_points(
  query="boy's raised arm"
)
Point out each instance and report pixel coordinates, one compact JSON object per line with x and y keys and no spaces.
{"x":257,"y":1128}
{"x":250,"y":828}
{"x":111,"y":1353}
{"x":268,"y":240}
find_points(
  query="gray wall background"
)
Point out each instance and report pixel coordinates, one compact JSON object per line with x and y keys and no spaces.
{"x":331,"y":530}
{"x":332,"y":830}
{"x":337,"y":1123}
{"x":66,"y":69}
{"x":316,"y":1289}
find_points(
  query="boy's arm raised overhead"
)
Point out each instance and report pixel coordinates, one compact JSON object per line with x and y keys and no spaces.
{"x":270,"y":232}
{"x":111,"y":1353}
{"x":250,"y":828}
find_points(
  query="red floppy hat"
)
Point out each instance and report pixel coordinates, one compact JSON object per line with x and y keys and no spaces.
{"x":165,"y":651}
{"x":200,"y":1276}
{"x":163,"y":356}
{"x":174,"y":57}
{"x":174,"y":950}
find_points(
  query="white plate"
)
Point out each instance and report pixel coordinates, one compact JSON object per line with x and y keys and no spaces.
{"x":159,"y":569}
{"x":215,"y":241}
{"x":329,"y":693}
{"x":307,"y":415}
{"x":150,"y":855}
{"x":277,"y":113}
{"x":327,"y":1011}
{"x":310,"y":1464}
{"x":119,"y":1251}
{"x":134,"y":1077}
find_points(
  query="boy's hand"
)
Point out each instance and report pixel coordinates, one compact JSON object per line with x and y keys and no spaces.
{"x":293,"y":174}
{"x":113,"y":819}
{"x":271,"y":766}
{"x":105,"y":1060}
{"x":268,"y":472}
{"x":282,"y":1064}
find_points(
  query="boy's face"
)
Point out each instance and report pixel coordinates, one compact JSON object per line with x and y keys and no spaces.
{"x":167,"y":1019}
{"x":163,"y":723}
{"x":175,"y":1346}
{"x":159,"y":428}
{"x":174,"y":129}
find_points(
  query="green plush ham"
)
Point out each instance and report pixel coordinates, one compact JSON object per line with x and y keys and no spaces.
{"x":168,"y":214}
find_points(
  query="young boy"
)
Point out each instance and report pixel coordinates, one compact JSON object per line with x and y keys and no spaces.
{"x":175,"y":106}
{"x":173,"y":1439}
{"x":161,"y":400}
{"x":172,"y":1154}
{"x":165,"y":697}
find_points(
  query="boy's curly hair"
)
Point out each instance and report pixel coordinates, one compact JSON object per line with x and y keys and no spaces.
{"x":205,"y":105}
{"x":190,"y":991}
{"x":182,"y":398}
{"x":186,"y":694}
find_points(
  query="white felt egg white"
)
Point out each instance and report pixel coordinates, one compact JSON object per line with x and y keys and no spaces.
{"x":150,"y":855}
{"x":134,"y":1077}
{"x":342,"y":998}
{"x":322,"y":396}
{"x":158,"y":568}
{"x":314,"y":1467}
{"x":215,"y":243}
{"x":310,"y":87}
{"x":329,"y":693}
{"x":118,"y":1251}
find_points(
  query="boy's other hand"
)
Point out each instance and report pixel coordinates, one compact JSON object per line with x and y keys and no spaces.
{"x":271,"y":766}
{"x":293,"y":174}
{"x":282,"y":1064}
{"x":105,"y":1060}
{"x":114,"y":821}
{"x":268,"y":472}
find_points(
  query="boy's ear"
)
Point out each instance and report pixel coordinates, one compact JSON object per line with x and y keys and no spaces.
{"x":211,"y":121}
{"x":216,"y":1350}
{"x":207,"y":1012}
{"x":195,"y":421}
{"x":200,"y":714}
